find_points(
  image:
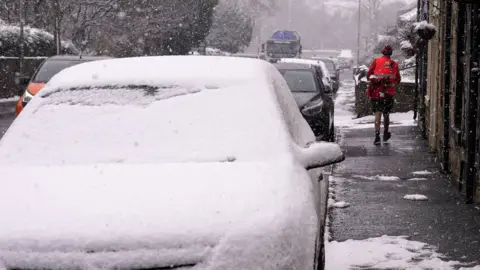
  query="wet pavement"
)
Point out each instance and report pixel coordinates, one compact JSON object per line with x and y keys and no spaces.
{"x":5,"y":122}
{"x":377,"y":204}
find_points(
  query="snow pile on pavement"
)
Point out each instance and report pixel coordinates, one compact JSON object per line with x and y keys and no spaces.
{"x":345,"y":102}
{"x":422,"y":173}
{"x":378,"y":177}
{"x":417,"y":179}
{"x":341,"y":204}
{"x":415,"y":197}
{"x":387,"y":252}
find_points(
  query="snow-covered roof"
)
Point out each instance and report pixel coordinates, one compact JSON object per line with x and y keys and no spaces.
{"x":300,"y":61}
{"x":346,"y":54}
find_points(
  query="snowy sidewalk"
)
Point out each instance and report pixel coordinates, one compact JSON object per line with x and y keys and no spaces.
{"x":390,"y":207}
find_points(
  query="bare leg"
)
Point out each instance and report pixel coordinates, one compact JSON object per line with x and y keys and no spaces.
{"x":386,"y":124}
{"x":378,"y":121}
{"x":386,"y":121}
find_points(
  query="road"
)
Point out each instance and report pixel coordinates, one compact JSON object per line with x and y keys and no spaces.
{"x":5,"y":122}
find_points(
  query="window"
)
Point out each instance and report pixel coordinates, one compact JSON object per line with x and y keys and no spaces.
{"x":51,"y":67}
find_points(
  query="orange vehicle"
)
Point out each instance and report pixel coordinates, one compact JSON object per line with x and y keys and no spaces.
{"x":49,"y":68}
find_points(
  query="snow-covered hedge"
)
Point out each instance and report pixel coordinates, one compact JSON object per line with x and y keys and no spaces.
{"x":407,"y":48}
{"x":37,"y":42}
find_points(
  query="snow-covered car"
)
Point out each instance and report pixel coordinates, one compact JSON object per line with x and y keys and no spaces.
{"x":173,"y":162}
{"x":326,"y":75}
{"x":334,"y":72}
{"x":345,"y":59}
{"x":322,"y":70}
{"x":317,"y":107}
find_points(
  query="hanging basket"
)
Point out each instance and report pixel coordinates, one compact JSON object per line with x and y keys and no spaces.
{"x":425,"y":30}
{"x":426,"y":33}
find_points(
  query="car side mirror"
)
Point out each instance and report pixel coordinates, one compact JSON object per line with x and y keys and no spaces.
{"x":320,"y":154}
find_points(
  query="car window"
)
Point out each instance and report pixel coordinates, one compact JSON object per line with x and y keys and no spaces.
{"x":298,"y":128}
{"x":321,"y":85}
{"x":51,"y":68}
{"x":300,"y":80}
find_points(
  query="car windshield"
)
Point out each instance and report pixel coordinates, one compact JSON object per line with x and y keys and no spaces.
{"x":51,"y":68}
{"x":142,"y":124}
{"x":300,"y":80}
{"x":280,"y":48}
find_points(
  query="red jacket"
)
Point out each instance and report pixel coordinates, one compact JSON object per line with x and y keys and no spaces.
{"x":383,"y":67}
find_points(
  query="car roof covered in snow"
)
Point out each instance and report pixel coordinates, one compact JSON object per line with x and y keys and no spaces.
{"x":192,"y":71}
{"x":299,"y":66}
{"x":300,"y":61}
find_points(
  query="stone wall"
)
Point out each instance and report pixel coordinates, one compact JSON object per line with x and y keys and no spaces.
{"x":404,"y":99}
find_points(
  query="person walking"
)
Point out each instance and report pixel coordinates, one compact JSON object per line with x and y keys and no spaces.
{"x":383,"y":75}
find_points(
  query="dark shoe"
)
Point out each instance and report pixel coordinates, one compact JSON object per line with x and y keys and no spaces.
{"x":377,"y":140}
{"x":386,"y":136}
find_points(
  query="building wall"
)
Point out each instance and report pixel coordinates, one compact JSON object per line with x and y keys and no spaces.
{"x":434,"y":80}
{"x":455,"y":152}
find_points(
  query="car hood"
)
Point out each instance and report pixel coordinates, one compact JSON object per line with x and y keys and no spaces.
{"x":168,"y":214}
{"x":303,"y":98}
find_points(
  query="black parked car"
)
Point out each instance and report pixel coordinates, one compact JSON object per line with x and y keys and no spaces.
{"x":333,"y":70}
{"x":314,"y":102}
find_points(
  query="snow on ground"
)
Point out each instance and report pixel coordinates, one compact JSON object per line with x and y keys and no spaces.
{"x":383,"y":253}
{"x":417,"y":179}
{"x":415,"y":197}
{"x":387,"y":252}
{"x":341,"y":204}
{"x":422,"y":173}
{"x":378,"y":177}
{"x":6,"y":100}
{"x":344,"y":103}
{"x":396,"y":119}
